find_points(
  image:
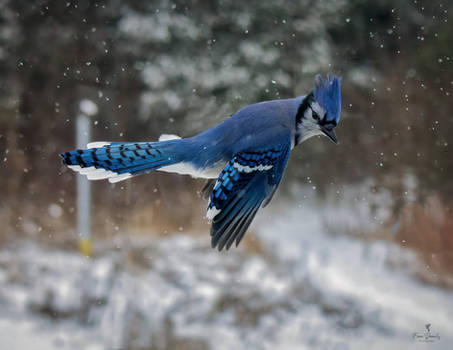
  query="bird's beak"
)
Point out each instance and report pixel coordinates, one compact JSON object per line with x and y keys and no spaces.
{"x":330,"y":133}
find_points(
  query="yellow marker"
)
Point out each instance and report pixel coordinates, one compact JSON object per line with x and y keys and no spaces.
{"x":86,"y":247}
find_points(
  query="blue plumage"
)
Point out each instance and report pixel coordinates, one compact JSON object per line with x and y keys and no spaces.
{"x":117,"y":158}
{"x":245,"y":182}
{"x":250,"y":150}
{"x":327,"y":94}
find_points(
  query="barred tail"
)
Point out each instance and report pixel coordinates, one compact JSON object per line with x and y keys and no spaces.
{"x":119,"y":161}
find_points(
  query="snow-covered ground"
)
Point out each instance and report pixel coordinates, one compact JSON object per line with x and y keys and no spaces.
{"x":311,"y":290}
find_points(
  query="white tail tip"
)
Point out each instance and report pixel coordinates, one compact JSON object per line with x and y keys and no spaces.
{"x":166,"y":137}
{"x":93,"y":173}
{"x":98,"y":144}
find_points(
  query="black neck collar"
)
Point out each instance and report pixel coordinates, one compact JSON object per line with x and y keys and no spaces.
{"x":304,"y":105}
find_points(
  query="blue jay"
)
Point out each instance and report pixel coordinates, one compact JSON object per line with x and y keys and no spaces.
{"x":247,"y":154}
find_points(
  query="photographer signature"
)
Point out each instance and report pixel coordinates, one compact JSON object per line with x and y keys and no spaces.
{"x":426,"y":336}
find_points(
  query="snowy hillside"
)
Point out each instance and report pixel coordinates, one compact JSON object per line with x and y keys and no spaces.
{"x":335,"y":293}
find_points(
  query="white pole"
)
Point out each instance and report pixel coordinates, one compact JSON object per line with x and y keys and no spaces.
{"x":83,"y":190}
{"x":87,"y":109}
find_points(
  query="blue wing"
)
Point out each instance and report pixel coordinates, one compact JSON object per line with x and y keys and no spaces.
{"x":248,"y":179}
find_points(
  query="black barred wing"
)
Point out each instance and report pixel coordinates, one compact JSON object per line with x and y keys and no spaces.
{"x":246,"y":181}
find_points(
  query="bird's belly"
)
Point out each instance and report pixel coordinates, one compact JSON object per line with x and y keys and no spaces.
{"x":187,"y":168}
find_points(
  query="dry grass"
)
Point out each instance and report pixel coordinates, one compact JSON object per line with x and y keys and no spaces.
{"x":428,"y":229}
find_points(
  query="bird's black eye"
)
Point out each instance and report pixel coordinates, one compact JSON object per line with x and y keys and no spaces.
{"x":315,"y":116}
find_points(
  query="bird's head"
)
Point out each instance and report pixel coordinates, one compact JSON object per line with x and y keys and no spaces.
{"x":319,"y":111}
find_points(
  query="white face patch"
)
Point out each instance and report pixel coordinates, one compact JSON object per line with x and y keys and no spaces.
{"x":308,"y":126}
{"x":318,"y":109}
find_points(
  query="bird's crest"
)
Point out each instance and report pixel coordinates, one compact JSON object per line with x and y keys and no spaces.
{"x":327,"y":94}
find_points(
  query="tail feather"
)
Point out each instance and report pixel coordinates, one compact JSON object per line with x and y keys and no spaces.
{"x":119,"y":161}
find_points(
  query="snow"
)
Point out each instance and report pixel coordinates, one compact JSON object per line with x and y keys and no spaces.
{"x":88,"y":107}
{"x":23,"y":335}
{"x":309,"y":290}
{"x":55,"y":210}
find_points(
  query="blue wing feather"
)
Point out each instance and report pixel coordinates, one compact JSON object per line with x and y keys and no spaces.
{"x":246,"y":181}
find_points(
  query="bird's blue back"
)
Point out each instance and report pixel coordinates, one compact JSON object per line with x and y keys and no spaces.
{"x":248,"y":128}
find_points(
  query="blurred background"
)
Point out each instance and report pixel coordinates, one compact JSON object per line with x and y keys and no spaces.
{"x":356,"y":248}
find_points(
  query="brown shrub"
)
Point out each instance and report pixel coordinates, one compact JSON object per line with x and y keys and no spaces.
{"x":428,"y":229}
